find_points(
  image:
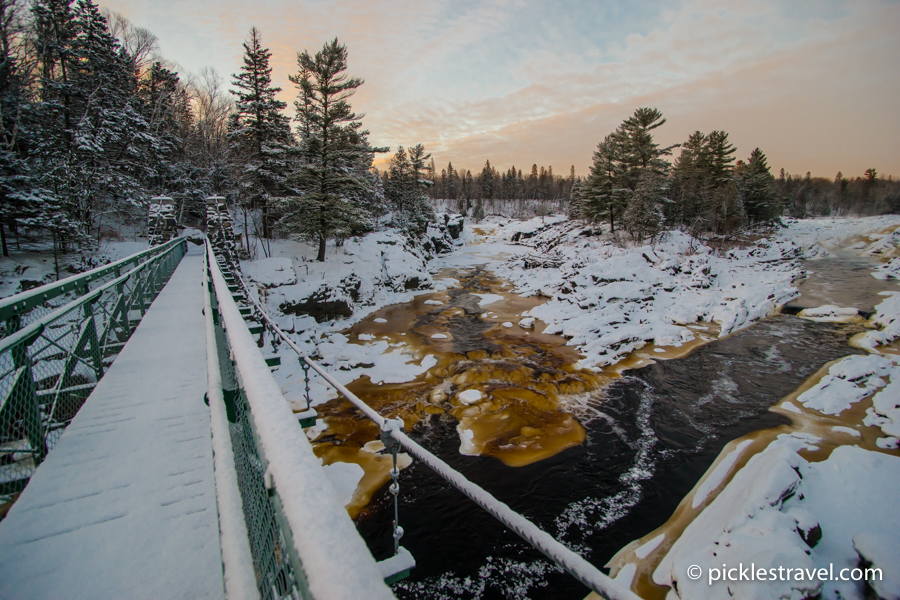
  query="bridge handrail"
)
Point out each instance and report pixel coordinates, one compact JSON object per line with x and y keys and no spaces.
{"x":240,"y":581}
{"x":21,"y":303}
{"x":568,"y":560}
{"x":35,"y":328}
{"x":334,"y":558}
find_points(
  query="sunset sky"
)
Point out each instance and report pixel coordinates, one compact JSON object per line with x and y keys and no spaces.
{"x":814,"y":83}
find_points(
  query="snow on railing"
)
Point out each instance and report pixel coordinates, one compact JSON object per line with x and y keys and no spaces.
{"x":568,"y":560}
{"x":240,"y":581}
{"x":334,"y":560}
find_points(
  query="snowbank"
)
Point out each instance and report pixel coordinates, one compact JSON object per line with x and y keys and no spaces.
{"x":782,"y":511}
{"x":611,"y":301}
{"x":887,"y":317}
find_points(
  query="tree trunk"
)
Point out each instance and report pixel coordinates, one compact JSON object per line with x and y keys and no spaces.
{"x":321,"y":257}
{"x":55,"y":254}
{"x":3,"y":239}
{"x":246,"y":232}
{"x":612,"y":226}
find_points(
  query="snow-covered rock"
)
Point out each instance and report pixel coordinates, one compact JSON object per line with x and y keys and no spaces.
{"x":781,"y":511}
{"x":848,"y":381}
{"x":270,"y":272}
{"x":829,"y":314}
{"x":887,"y":318}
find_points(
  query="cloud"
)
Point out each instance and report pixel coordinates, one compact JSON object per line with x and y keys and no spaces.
{"x":520,"y":82}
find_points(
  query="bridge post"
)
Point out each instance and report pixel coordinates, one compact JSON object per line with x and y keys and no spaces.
{"x":90,"y":331}
{"x":161,"y":220}
{"x":219,"y":227}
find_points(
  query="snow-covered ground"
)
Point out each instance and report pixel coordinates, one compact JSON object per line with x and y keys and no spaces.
{"x":821,"y":519}
{"x":22,"y":271}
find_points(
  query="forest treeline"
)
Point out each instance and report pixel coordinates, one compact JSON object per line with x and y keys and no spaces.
{"x":632,"y":185}
{"x":94,"y":123}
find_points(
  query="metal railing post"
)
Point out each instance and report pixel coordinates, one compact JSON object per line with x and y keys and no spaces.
{"x":24,"y":394}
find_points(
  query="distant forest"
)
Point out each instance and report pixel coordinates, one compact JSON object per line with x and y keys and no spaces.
{"x":94,"y":123}
{"x":632,"y":185}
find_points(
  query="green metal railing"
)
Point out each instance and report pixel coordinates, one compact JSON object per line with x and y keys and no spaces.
{"x":294,"y":544}
{"x":51,"y":357}
{"x":25,"y":308}
{"x":275,"y":563}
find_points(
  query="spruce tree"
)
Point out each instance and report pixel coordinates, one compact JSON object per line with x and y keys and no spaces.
{"x":262,"y":137}
{"x":487,"y":181}
{"x":757,"y":186}
{"x":605,"y":195}
{"x":643,"y":218}
{"x":93,"y":149}
{"x":400,"y":187}
{"x":420,"y":211}
{"x":335,"y":149}
{"x":690,"y":183}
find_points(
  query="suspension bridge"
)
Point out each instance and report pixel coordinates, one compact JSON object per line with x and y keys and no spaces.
{"x":146,"y":450}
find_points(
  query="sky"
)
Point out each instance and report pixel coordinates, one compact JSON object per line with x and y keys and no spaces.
{"x":813,"y":83}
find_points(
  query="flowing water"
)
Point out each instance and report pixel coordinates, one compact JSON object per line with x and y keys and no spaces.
{"x":596,"y":460}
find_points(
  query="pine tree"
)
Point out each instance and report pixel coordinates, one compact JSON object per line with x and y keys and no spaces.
{"x":643,"y":218}
{"x":720,"y":154}
{"x":757,"y":186}
{"x":604,"y":196}
{"x":262,"y":137}
{"x":335,"y":149}
{"x":640,"y":153}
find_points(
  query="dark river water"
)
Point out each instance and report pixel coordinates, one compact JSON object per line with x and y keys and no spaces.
{"x":650,"y":437}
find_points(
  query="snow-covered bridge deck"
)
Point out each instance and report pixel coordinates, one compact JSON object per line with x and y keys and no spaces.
{"x":125,"y":505}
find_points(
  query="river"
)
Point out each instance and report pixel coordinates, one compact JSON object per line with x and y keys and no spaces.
{"x":597,"y":460}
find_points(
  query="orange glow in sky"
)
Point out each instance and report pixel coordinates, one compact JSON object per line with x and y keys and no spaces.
{"x":814,"y":83}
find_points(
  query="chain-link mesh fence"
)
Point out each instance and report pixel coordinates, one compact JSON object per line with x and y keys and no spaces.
{"x":276,"y":567}
{"x":53,"y":356}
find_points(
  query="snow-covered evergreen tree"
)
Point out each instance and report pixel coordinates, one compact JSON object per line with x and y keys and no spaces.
{"x":639,"y":153}
{"x":335,"y":150}
{"x":94,"y":145}
{"x":406,"y":187}
{"x":605,"y":195}
{"x":261,"y":135}
{"x":757,"y":187}
{"x":643,"y":218}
